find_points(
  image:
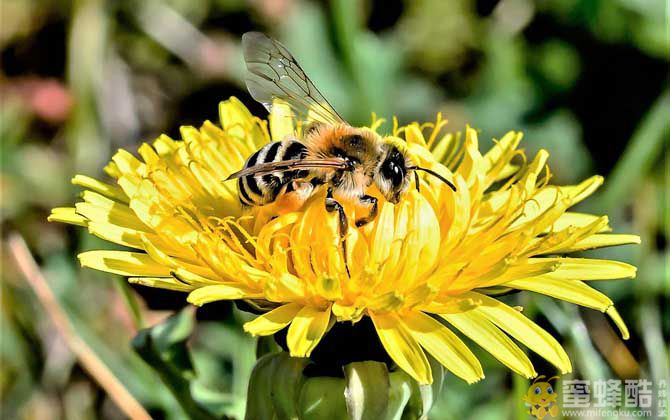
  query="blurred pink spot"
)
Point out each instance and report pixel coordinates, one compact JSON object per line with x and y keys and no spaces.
{"x":51,"y":101}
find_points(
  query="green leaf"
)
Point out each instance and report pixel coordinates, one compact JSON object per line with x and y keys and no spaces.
{"x":163,"y":347}
{"x":169,"y":339}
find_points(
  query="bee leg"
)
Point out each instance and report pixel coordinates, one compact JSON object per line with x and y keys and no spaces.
{"x":331,"y":206}
{"x":371,"y":201}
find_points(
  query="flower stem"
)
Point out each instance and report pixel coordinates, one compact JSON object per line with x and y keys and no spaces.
{"x":89,"y":360}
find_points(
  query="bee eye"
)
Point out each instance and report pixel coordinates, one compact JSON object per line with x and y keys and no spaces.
{"x":550,"y":390}
{"x":538,"y":391}
{"x":393,"y":172}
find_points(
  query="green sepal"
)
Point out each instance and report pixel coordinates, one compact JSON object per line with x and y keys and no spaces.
{"x":400,"y":392}
{"x":265,"y":345}
{"x":259,"y":395}
{"x":288,"y":381}
{"x":323,"y":398}
{"x":430,"y":393}
{"x":367,"y":390}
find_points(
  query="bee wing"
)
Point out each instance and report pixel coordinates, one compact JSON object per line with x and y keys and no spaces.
{"x":273,"y":73}
{"x":289,"y":165}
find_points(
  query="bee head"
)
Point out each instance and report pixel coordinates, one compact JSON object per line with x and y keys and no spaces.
{"x":391,"y":175}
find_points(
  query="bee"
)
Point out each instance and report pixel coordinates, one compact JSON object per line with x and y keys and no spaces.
{"x":331,"y":153}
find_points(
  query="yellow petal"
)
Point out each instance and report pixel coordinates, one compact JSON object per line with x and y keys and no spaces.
{"x":472,"y":165}
{"x":168,"y":283}
{"x":273,"y":321}
{"x":506,"y":172}
{"x":194,"y":279}
{"x":422,"y":243}
{"x":128,"y":164}
{"x":123,"y":263}
{"x":208,"y":294}
{"x":306,"y":330}
{"x":149,"y":154}
{"x":382,"y":237}
{"x":523,"y":329}
{"x":446,"y":147}
{"x":284,"y":287}
{"x":487,"y":335}
{"x":618,"y":321}
{"x":164,"y":145}
{"x":238,"y":121}
{"x":568,"y":219}
{"x":496,"y":161}
{"x":413,"y":135}
{"x":574,"y":292}
{"x":67,"y":215}
{"x":601,"y":241}
{"x":589,"y":269}
{"x":444,"y":346}
{"x":570,"y":291}
{"x":385,"y":302}
{"x":116,"y":234}
{"x":102,"y":209}
{"x":583,"y":189}
{"x":402,"y":346}
{"x":100,"y":187}
{"x":507,"y":143}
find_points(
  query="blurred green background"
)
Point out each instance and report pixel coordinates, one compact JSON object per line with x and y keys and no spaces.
{"x":587,"y":80}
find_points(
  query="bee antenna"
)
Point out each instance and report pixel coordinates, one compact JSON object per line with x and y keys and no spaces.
{"x":416,"y":180}
{"x":435,"y":174}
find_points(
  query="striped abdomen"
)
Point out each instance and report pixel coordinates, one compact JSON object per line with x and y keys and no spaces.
{"x":257,"y":190}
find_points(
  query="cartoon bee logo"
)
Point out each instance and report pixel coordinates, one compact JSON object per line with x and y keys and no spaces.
{"x":541,"y":398}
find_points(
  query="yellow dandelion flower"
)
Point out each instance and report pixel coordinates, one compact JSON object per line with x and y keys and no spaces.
{"x":420,"y":270}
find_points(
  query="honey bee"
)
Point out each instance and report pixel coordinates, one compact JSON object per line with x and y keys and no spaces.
{"x":331,"y":153}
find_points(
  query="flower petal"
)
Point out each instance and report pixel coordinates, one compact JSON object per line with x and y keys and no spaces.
{"x":444,"y":346}
{"x":208,"y":294}
{"x":123,"y":263}
{"x":523,"y":329}
{"x":601,"y":241}
{"x":570,"y":291}
{"x":67,"y":215}
{"x":588,"y":269}
{"x":273,"y":321}
{"x":486,"y":334}
{"x":402,"y":346}
{"x":238,"y":121}
{"x":569,"y":218}
{"x":306,"y":330}
{"x":116,"y":234}
{"x":169,"y":283}
{"x":618,"y":321}
{"x":100,"y":187}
